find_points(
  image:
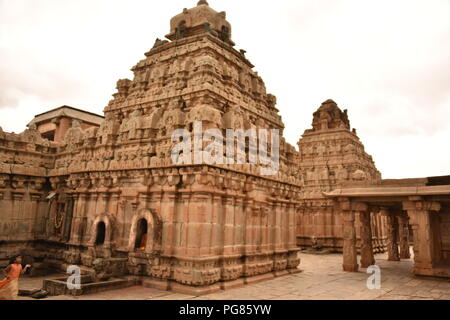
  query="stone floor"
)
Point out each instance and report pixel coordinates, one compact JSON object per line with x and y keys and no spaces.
{"x":322,"y":279}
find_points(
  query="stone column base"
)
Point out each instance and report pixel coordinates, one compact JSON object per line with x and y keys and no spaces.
{"x":350,"y":267}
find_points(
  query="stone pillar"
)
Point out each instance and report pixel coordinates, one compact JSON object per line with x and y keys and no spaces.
{"x":384,"y":230}
{"x":182,"y":237}
{"x":367,"y":257}
{"x":292,"y":239}
{"x":94,"y":204}
{"x":199,"y":226}
{"x":239,"y":232}
{"x":349,"y":250}
{"x":391,"y":221}
{"x":217,"y":221}
{"x":378,"y":234}
{"x":229,"y":224}
{"x":67,"y":226}
{"x":277,"y":225}
{"x":284,"y":226}
{"x":419,"y":213}
{"x":403,"y":223}
{"x":34,"y":210}
{"x":168,"y":212}
{"x":255,"y":220}
{"x":63,"y":124}
{"x":248,"y":227}
{"x":50,"y":218}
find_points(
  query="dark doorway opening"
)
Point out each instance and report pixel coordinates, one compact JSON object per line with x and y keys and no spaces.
{"x":49,"y":135}
{"x":101,"y":233}
{"x":141,"y":235}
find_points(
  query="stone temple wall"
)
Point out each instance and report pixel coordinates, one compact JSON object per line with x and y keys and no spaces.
{"x":24,"y":163}
{"x":118,"y":203}
{"x":112,"y":200}
{"x":206,"y":223}
{"x":202,"y":227}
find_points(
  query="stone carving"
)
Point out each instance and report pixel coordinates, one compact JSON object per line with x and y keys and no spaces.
{"x":234,"y":118}
{"x":337,"y":159}
{"x":124,"y":167}
{"x":359,"y":175}
{"x":210,"y":117}
{"x":329,"y":116}
{"x":159,"y":42}
{"x":73,"y":136}
{"x":341,"y":173}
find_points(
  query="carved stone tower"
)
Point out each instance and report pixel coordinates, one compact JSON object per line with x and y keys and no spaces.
{"x":192,"y":228}
{"x":331,"y":155}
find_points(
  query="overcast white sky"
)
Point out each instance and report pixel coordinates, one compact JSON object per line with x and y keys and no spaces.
{"x":386,"y":61}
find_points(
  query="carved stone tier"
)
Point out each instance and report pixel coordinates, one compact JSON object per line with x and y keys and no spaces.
{"x":331,"y":155}
{"x":114,"y":191}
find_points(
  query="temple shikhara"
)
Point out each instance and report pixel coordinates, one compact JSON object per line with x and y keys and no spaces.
{"x":104,"y":194}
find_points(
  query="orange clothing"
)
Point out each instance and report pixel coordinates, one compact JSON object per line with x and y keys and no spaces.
{"x":3,"y":283}
{"x":10,"y":290}
{"x":15,"y":271}
{"x":9,"y":287}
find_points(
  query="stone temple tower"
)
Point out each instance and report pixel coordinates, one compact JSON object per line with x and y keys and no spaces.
{"x":113,"y":200}
{"x":331,"y":155}
{"x":124,"y":207}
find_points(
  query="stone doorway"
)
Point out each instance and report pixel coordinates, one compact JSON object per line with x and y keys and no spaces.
{"x":141,"y":235}
{"x":101,"y":234}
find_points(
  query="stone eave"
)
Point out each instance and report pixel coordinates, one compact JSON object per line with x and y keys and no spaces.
{"x":68,"y":111}
{"x":196,"y":38}
{"x":389,"y":191}
{"x":310,"y":132}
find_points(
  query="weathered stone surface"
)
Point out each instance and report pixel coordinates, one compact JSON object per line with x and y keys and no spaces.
{"x":203,"y":224}
{"x":110,"y":197}
{"x":331,"y":155}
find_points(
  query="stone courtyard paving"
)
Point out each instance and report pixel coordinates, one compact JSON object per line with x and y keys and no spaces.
{"x":322,"y":279}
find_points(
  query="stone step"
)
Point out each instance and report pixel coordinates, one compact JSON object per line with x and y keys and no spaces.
{"x":28,"y":292}
{"x":56,"y":287}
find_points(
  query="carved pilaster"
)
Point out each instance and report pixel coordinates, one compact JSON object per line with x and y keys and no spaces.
{"x":419,"y":213}
{"x":349,"y":209}
{"x":392,"y":227}
{"x":403,"y":228}
{"x":367,"y":257}
{"x":349,"y":249}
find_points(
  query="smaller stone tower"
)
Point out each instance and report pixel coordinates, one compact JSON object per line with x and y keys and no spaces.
{"x":331,"y":155}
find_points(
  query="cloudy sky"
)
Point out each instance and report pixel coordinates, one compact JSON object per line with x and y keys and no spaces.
{"x":387,"y":62}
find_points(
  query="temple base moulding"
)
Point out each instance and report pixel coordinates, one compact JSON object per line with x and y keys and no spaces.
{"x":168,"y":285}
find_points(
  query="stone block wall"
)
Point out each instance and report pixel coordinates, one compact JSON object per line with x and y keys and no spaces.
{"x":202,"y":229}
{"x":443,"y":234}
{"x":24,"y":162}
